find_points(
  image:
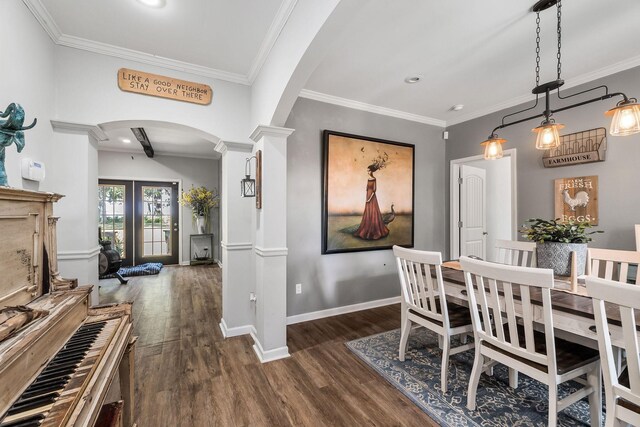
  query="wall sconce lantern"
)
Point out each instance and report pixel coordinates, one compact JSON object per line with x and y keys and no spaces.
{"x":248,"y":184}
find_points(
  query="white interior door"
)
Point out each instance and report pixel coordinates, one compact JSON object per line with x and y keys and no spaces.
{"x":473,"y":211}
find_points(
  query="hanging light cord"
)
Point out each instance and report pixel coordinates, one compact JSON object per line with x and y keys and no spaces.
{"x":548,"y":112}
{"x":559,"y":8}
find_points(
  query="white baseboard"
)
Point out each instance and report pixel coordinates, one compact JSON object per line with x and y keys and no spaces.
{"x":305,"y":317}
{"x":269,"y":355}
{"x":236,"y":331}
{"x":184,"y":263}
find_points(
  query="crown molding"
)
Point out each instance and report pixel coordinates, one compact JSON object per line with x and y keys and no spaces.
{"x":44,"y":18}
{"x":73,"y":127}
{"x":146,"y":58}
{"x":263,"y":130}
{"x":278,"y":23}
{"x":362,"y":106}
{"x":46,"y":21}
{"x":223,"y":146}
{"x":571,"y":83}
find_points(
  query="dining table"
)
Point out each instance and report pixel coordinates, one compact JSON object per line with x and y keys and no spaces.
{"x":572,"y":312}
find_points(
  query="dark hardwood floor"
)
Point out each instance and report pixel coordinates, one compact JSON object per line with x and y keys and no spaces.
{"x":188,"y":375}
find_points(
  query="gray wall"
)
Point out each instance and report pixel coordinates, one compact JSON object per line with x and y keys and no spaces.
{"x":191,"y":171}
{"x":337,"y":280}
{"x":619,"y":175}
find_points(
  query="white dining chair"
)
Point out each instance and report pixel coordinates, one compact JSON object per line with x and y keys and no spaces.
{"x":505,"y":292}
{"x":514,"y":252}
{"x":424,"y":303}
{"x":612,"y":264}
{"x":622,"y":387}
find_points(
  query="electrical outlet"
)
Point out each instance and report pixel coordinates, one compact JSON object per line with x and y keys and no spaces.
{"x":298,"y":288}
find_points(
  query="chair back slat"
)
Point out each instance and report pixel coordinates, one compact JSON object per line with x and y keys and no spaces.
{"x":496,"y":311}
{"x":627,"y":316}
{"x":527,"y":317}
{"x":510,"y":309}
{"x":492,"y":283}
{"x":431,"y":286}
{"x":421,"y":292}
{"x":627,"y":298}
{"x":610,"y":264}
{"x":513,"y":252}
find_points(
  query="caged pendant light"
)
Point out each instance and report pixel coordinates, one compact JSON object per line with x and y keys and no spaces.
{"x":625,"y":115}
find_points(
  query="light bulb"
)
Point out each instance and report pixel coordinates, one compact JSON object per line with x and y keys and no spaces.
{"x":626,"y":119}
{"x":548,"y":136}
{"x":493,"y":148}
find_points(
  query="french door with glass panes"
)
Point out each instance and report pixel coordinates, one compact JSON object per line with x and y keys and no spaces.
{"x":115,"y":209}
{"x":156,"y":222}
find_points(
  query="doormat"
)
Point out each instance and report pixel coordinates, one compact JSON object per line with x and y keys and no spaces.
{"x":418,"y":378}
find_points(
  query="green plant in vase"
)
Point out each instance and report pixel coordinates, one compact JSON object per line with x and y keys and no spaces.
{"x":555,"y":241}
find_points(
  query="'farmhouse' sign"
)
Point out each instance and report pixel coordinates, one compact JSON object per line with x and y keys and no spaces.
{"x":576,"y":148}
{"x":164,"y":87}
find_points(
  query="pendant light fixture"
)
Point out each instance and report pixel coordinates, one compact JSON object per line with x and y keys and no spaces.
{"x":625,"y":115}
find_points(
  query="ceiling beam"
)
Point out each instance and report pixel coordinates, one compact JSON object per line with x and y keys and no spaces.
{"x":142,"y":137}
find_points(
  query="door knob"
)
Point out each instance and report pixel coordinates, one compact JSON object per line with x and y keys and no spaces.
{"x":484,"y":233}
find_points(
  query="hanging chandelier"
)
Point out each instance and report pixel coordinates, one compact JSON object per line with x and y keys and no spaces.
{"x":625,"y":115}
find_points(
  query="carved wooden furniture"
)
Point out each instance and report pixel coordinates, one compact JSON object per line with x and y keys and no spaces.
{"x":622,"y":387}
{"x":517,"y":344}
{"x":56,"y":370}
{"x":425,"y":303}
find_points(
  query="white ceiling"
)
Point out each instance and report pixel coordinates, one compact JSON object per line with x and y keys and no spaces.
{"x":477,"y":53}
{"x":223,"y":38}
{"x":167,"y":139}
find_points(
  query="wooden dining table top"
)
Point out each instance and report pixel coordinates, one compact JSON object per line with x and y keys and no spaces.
{"x":574,"y":304}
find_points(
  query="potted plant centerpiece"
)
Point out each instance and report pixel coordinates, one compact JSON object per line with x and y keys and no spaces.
{"x":200,"y":200}
{"x":555,"y":241}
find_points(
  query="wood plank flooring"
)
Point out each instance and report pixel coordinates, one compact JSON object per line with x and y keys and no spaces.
{"x":189,"y":375}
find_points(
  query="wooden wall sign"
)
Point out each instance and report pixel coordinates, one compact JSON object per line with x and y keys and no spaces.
{"x":164,"y":87}
{"x":588,"y":146}
{"x":576,"y":199}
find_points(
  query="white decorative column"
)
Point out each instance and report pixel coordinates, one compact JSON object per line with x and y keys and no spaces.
{"x":73,"y":172}
{"x":271,"y":245}
{"x":238,"y":264}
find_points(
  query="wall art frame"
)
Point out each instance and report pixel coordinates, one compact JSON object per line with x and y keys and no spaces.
{"x":368,"y":194}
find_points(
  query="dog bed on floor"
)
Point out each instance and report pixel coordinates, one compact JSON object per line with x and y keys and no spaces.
{"x":147,"y":269}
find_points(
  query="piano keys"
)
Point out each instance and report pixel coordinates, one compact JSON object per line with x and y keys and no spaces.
{"x":57,"y":370}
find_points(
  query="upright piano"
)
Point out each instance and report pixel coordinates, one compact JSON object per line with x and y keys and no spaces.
{"x":57,"y":369}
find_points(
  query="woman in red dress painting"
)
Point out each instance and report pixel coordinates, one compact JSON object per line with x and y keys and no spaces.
{"x":372,"y":226}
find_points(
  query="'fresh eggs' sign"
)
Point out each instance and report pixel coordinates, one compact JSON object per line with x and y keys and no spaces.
{"x":577,"y":199}
{"x":164,"y":87}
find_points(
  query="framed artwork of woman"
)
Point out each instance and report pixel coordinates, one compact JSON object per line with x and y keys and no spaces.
{"x":368,"y":193}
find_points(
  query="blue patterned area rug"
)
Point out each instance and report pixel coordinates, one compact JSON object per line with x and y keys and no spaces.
{"x":418,"y":377}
